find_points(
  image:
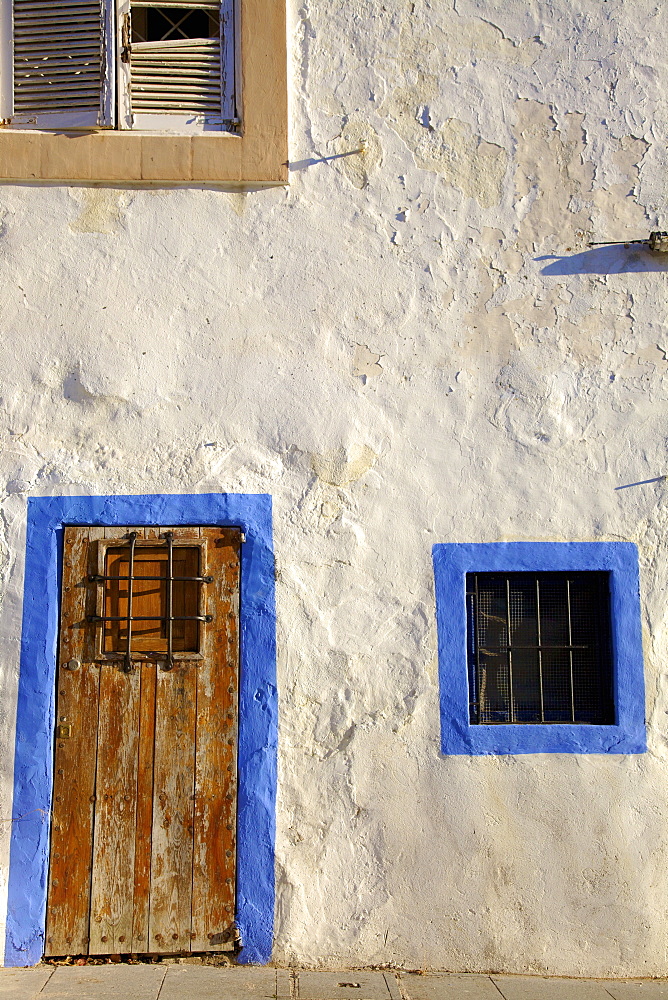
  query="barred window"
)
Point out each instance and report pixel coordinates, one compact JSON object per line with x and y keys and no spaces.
{"x":539,"y":648}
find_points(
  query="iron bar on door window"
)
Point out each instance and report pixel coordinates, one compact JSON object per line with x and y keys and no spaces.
{"x":127,"y":664}
{"x":169,"y":535}
{"x":98,"y":578}
{"x":150,"y":618}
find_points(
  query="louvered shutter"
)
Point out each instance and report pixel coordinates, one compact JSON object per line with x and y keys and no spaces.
{"x":178,"y":84}
{"x":63,"y":64}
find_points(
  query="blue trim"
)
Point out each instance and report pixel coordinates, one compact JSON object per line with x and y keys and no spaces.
{"x":258,"y":705}
{"x":451,"y":564}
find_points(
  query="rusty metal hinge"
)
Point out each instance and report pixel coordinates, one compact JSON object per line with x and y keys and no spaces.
{"x":231,"y":935}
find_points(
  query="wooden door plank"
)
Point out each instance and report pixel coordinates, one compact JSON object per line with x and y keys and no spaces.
{"x":115,"y":812}
{"x":173,"y":783}
{"x":216,"y":743}
{"x":183,"y":531}
{"x":143,"y":833}
{"x":117,"y":532}
{"x":75,"y":757}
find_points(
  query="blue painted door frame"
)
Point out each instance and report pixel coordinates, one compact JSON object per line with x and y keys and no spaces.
{"x":35,"y":721}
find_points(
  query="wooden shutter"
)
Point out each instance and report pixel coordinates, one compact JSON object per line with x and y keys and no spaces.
{"x":178,"y":84}
{"x":63,"y":70}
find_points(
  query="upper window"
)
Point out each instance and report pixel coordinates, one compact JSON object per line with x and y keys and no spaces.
{"x":540,"y":648}
{"x":152,"y":66}
{"x":144,"y":91}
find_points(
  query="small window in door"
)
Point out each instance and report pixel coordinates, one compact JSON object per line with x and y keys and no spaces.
{"x":152,"y":601}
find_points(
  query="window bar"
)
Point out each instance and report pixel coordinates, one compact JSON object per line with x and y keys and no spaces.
{"x":476,"y":639}
{"x":570,"y":648}
{"x":511,"y":705}
{"x":127,"y":663}
{"x":519,"y":645}
{"x":540,"y":654}
{"x":169,"y":536}
{"x":603,"y":599}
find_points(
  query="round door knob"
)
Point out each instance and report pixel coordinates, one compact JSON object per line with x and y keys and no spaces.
{"x":72,"y":664}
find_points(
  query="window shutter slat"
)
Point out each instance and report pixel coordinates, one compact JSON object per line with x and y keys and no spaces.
{"x":60,"y":63}
{"x":181,"y":76}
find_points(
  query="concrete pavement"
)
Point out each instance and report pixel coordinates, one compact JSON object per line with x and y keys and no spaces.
{"x":203,"y":982}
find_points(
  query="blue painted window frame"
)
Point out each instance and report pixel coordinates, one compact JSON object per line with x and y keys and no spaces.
{"x":452,"y":561}
{"x":35,"y":722}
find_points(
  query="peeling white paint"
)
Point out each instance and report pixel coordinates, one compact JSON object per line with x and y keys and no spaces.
{"x":366,"y":364}
{"x":101,"y":209}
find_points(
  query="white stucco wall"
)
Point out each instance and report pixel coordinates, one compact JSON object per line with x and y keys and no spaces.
{"x":380,"y":348}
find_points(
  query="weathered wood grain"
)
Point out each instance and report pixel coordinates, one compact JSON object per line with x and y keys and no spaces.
{"x":172,"y":837}
{"x":118,"y":532}
{"x":115,"y":813}
{"x":143,"y":832}
{"x":148,"y":848}
{"x":74,"y":772}
{"x":182,"y":531}
{"x":216,"y":742}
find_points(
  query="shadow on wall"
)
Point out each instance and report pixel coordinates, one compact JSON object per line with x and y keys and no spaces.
{"x":606,"y":260}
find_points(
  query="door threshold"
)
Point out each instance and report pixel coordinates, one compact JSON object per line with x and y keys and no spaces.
{"x":220,"y":958}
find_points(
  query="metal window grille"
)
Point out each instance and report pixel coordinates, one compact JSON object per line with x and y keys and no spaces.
{"x":175,"y":59}
{"x":168,"y":618}
{"x":539,"y":648}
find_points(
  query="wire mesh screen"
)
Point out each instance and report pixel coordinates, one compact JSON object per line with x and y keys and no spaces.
{"x":539,"y":648}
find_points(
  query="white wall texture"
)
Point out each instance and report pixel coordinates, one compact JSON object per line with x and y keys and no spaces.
{"x":380,"y":348}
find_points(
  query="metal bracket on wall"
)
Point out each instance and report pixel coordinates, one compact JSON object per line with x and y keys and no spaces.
{"x":657,"y":241}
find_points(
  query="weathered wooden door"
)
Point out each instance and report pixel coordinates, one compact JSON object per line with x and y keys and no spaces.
{"x":144,"y":805}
